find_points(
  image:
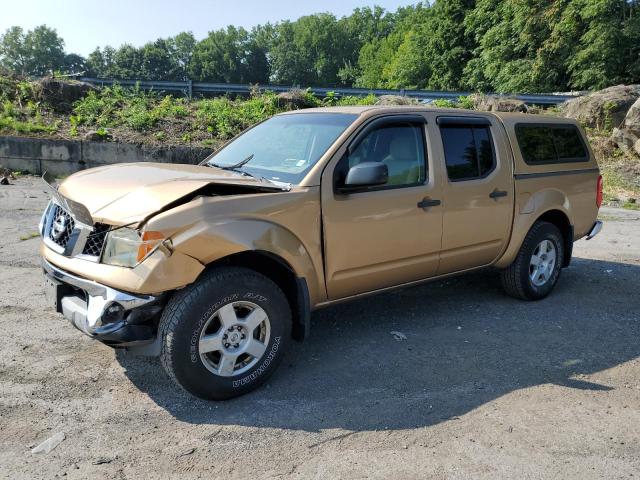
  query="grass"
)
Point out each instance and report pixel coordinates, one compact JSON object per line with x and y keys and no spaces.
{"x":29,"y":236}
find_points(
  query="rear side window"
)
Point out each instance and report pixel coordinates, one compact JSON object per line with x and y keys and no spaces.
{"x":468,"y":151}
{"x":542,"y":144}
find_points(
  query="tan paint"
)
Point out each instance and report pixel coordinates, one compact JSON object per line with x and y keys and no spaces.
{"x":380,"y":238}
{"x":363,"y":242}
{"x":158,"y":273}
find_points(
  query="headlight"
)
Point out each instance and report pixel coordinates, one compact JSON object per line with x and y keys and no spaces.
{"x":127,"y":247}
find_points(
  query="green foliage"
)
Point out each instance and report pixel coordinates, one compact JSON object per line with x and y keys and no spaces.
{"x":466,"y":102}
{"x":444,"y":103}
{"x":115,"y":106}
{"x":224,"y":118}
{"x":481,"y":45}
{"x":38,"y":52}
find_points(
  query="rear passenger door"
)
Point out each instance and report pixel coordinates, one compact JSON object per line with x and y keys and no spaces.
{"x":477,"y":191}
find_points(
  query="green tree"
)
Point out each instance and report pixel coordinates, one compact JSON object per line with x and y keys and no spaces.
{"x":607,"y":51}
{"x":13,"y":53}
{"x":377,"y":57}
{"x":183,"y":45}
{"x":127,"y":62}
{"x":310,"y":51}
{"x":220,"y":56}
{"x":44,"y":50}
{"x":38,"y":52}
{"x":514,"y":46}
{"x":157,"y":61}
{"x":74,"y":63}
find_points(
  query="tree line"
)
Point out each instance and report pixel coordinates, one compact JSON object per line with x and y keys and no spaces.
{"x":479,"y":45}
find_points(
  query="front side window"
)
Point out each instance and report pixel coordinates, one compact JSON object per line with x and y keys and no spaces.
{"x":285,"y":147}
{"x":400,"y":146}
{"x":468,"y":151}
{"x":542,"y":144}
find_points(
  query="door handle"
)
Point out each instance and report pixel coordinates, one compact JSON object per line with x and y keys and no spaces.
{"x":427,"y":202}
{"x":498,"y":193}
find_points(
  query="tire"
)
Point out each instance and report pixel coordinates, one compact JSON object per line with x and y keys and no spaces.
{"x":249,"y":309}
{"x":524,"y":279}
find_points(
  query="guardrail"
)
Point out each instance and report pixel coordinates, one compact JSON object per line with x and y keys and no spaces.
{"x":189,"y":89}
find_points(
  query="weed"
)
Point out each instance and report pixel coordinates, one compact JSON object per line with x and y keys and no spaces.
{"x":444,"y":103}
{"x":466,"y":102}
{"x":609,"y":108}
{"x":29,"y":236}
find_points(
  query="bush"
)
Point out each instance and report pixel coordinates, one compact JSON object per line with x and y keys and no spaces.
{"x":224,"y":118}
{"x":444,"y":103}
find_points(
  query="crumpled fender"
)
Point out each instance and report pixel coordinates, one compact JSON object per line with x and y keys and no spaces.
{"x":208,"y":242}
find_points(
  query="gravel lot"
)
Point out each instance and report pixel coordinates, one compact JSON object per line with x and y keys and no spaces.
{"x":484,"y":386}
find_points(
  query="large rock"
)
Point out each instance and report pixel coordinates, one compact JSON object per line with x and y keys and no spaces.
{"x":624,"y":138}
{"x":61,"y":94}
{"x":632,"y":118}
{"x":603,"y":109}
{"x":627,"y":137}
{"x":395,"y":100}
{"x":295,"y":99}
{"x":497,"y":103}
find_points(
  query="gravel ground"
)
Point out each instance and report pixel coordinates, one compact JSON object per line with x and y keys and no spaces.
{"x":484,"y":386}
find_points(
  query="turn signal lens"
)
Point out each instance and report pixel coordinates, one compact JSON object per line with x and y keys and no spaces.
{"x":127,"y":247}
{"x":150,"y":241}
{"x":599,"y":192}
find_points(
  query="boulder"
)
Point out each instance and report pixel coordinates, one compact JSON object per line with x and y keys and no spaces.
{"x":632,"y":118}
{"x":623,"y":138}
{"x":395,"y":100}
{"x":101,"y":135}
{"x":61,"y":94}
{"x":627,"y":137}
{"x":603,"y":109}
{"x":295,"y":99}
{"x":498,"y":103}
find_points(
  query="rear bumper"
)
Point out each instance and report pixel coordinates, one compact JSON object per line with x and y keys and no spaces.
{"x":594,"y":230}
{"x":114,"y":317}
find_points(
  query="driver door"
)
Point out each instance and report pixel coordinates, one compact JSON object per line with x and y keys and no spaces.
{"x":388,"y":234}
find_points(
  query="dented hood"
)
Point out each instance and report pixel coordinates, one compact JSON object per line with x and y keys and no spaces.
{"x":129,"y":193}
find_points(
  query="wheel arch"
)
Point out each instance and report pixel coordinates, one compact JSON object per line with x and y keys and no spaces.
{"x":278,"y":270}
{"x":560,"y":220}
{"x":555,"y":215}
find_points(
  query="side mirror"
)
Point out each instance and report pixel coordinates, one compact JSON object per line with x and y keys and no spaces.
{"x":365,"y":174}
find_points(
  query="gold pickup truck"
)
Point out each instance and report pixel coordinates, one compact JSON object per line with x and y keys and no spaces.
{"x":216,"y":267}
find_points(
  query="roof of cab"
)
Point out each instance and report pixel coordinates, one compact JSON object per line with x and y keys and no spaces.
{"x":504,"y":117}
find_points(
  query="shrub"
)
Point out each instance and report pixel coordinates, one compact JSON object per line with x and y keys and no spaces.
{"x":444,"y":103}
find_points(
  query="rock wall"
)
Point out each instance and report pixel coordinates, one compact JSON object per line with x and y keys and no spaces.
{"x":64,"y":157}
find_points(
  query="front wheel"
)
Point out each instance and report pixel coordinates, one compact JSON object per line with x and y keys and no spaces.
{"x":536,"y":269}
{"x":226,"y":334}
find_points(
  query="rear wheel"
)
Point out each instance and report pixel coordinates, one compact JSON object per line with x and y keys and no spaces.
{"x":536,"y":269}
{"x":226,"y":334}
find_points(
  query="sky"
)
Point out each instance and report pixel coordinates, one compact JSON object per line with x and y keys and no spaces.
{"x":84,"y":25}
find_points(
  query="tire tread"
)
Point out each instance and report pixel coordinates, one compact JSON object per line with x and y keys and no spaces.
{"x":512,"y":275}
{"x":174,"y":311}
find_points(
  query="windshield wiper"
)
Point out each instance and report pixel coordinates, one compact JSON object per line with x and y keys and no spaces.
{"x":235,"y":166}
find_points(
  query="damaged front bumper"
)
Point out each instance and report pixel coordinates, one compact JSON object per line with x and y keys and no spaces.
{"x":116,"y":318}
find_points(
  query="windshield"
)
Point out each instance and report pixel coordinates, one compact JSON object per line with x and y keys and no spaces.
{"x":285,"y":147}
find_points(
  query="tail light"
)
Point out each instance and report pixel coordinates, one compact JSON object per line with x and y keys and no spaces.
{"x":599,"y":192}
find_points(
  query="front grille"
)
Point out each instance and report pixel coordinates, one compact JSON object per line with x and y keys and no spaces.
{"x":95,"y":240}
{"x":62,"y":225}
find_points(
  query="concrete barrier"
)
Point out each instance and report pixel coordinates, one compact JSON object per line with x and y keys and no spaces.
{"x":64,"y":157}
